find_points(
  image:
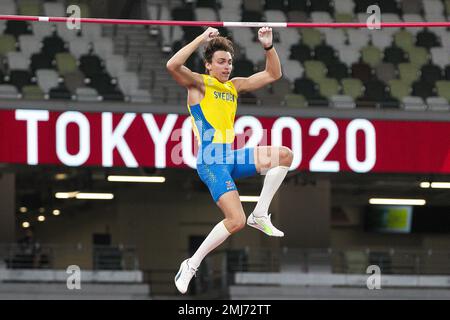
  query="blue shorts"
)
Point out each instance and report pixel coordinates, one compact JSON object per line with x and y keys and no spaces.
{"x":219,"y":171}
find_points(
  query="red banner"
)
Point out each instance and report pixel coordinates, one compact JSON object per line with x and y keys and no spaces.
{"x":108,"y":139}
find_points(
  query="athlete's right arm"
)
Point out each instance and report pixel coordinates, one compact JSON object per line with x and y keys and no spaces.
{"x":183,"y":75}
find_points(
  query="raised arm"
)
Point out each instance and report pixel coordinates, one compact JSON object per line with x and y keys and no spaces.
{"x":273,"y":66}
{"x":183,"y":75}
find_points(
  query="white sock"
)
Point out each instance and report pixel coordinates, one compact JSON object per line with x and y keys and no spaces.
{"x":272,"y":182}
{"x":217,"y":235}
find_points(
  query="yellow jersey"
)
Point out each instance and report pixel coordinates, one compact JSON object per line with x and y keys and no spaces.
{"x":213,"y":117}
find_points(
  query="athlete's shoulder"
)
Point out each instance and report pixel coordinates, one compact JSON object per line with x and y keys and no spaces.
{"x":230,"y":84}
{"x":208,"y":80}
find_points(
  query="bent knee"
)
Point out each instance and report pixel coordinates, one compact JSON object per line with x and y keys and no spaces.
{"x":236,"y":224}
{"x":286,"y":156}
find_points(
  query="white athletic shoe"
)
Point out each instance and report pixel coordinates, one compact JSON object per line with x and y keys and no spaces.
{"x":184,"y":276}
{"x":264,"y":224}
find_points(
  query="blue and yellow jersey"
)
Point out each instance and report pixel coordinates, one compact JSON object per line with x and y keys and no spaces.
{"x":213,"y":117}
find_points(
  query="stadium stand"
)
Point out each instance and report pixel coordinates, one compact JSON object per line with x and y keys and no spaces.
{"x":374,"y":58}
{"x":51,"y":61}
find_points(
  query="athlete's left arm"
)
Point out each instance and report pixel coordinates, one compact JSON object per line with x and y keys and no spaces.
{"x":273,"y":66}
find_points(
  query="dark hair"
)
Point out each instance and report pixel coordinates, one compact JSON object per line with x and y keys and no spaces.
{"x":217,"y":44}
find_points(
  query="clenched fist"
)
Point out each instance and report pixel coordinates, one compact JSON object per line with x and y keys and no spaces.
{"x":265,"y":36}
{"x":209,"y":34}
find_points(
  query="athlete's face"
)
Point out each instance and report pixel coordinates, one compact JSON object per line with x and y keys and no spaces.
{"x":220,"y":66}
